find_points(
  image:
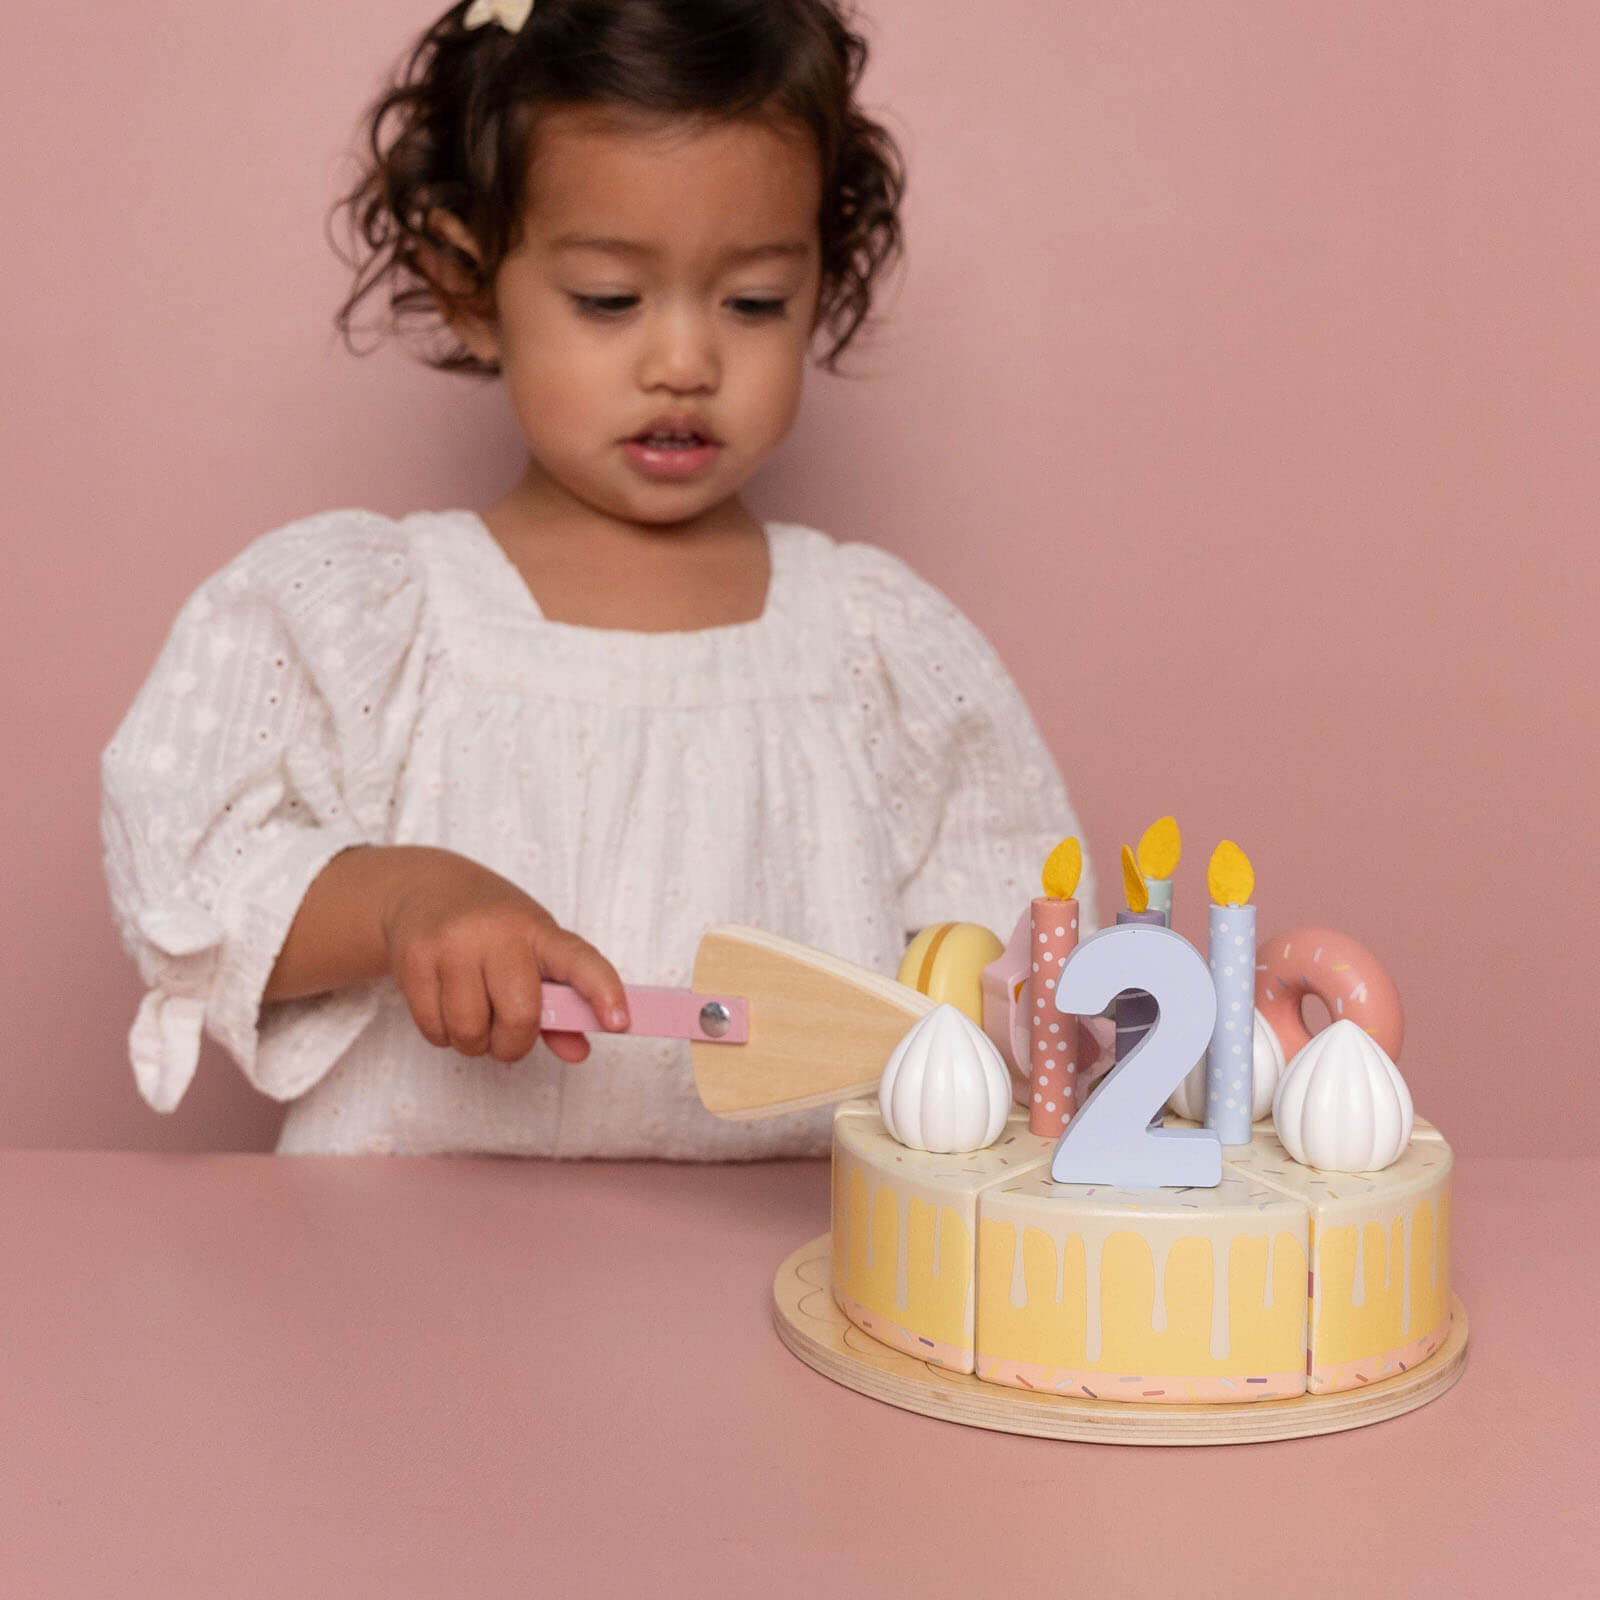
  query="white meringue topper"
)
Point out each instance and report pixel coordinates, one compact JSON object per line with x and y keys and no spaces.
{"x":1342,"y":1104}
{"x":945,"y":1087}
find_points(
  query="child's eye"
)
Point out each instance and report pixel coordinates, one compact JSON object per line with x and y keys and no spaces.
{"x":605,"y":305}
{"x":612,"y":306}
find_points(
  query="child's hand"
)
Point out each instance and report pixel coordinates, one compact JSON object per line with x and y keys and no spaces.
{"x":469,"y":949}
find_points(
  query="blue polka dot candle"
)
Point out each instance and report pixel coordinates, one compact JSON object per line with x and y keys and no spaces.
{"x":1229,"y":1062}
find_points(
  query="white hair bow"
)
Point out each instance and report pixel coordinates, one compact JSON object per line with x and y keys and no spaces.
{"x":510,"y":14}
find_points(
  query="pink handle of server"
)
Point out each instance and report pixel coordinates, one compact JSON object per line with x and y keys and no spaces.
{"x":654,"y":1014}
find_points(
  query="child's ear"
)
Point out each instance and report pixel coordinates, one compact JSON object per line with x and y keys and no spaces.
{"x":443,"y":264}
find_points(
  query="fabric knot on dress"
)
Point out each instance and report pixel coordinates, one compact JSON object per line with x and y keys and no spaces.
{"x":164,"y":1042}
{"x":179,"y":927}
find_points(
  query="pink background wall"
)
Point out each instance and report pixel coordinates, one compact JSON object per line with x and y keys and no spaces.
{"x":1255,"y":340}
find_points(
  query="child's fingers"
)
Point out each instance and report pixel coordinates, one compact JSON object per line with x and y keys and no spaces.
{"x":418,"y":977}
{"x":571,"y":1047}
{"x":512,"y":978}
{"x":566,"y":958}
{"x":465,"y":1003}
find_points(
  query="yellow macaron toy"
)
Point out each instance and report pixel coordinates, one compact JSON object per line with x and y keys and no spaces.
{"x":946,"y":961}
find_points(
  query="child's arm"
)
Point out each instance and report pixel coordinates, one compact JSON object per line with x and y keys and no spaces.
{"x":265,"y":745}
{"x":466,"y":947}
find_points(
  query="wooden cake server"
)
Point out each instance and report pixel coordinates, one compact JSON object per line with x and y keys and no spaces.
{"x":772,"y":1025}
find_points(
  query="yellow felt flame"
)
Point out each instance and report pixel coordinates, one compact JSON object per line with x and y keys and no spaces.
{"x":1230,"y":876}
{"x":1159,"y":848}
{"x":1133,"y":882}
{"x":1062,"y":869}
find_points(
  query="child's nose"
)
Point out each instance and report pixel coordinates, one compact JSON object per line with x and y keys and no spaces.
{"x":681,"y":351}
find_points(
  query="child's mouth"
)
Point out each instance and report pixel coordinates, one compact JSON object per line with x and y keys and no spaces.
{"x":670,"y":455}
{"x":671,"y":441}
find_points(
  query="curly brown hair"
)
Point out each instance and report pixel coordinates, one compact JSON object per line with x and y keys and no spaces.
{"x":450,"y":139}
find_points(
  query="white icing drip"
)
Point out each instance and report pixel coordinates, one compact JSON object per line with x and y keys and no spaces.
{"x":1158,"y":1312}
{"x":1402,"y":1211}
{"x":902,"y":1265}
{"x":1019,"y":1280}
{"x":1091,"y":1322}
{"x":1219,"y":1301}
{"x":1405,"y":1270}
{"x":1266,"y":1299}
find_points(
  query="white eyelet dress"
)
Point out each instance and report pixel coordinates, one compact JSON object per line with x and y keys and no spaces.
{"x":853,"y":764}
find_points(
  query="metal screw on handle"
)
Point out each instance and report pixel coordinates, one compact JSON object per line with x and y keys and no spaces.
{"x":714,"y":1019}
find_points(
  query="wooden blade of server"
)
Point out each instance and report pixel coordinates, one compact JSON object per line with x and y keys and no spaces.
{"x":821,"y":1028}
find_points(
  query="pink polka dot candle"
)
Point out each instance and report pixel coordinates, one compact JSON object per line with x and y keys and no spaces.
{"x":1052,"y":1034}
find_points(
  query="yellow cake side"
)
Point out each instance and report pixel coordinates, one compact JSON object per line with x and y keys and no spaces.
{"x":1164,"y":1295}
{"x":1380,"y":1251}
{"x":904,"y":1226}
{"x":981,"y":1263}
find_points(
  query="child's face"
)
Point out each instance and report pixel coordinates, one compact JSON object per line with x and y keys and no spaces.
{"x":599,"y":344}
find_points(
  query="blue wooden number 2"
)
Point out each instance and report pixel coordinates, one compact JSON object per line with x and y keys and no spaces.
{"x":1110,"y":1141}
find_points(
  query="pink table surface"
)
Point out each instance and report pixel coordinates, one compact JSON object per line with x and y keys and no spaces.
{"x":244,"y":1375}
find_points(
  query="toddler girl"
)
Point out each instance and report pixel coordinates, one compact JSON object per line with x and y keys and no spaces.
{"x":387,"y":775}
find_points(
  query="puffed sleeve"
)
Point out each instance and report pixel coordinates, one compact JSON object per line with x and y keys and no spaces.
{"x":267,"y":738}
{"x":975,"y":798}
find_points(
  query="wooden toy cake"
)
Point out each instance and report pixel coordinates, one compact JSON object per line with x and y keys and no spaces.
{"x":1280,"y":1280}
{"x":1189,"y":1220}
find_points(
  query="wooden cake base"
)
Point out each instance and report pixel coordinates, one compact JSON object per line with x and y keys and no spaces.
{"x":814,"y":1328}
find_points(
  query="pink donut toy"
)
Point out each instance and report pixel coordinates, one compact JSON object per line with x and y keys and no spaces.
{"x":1342,"y":973}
